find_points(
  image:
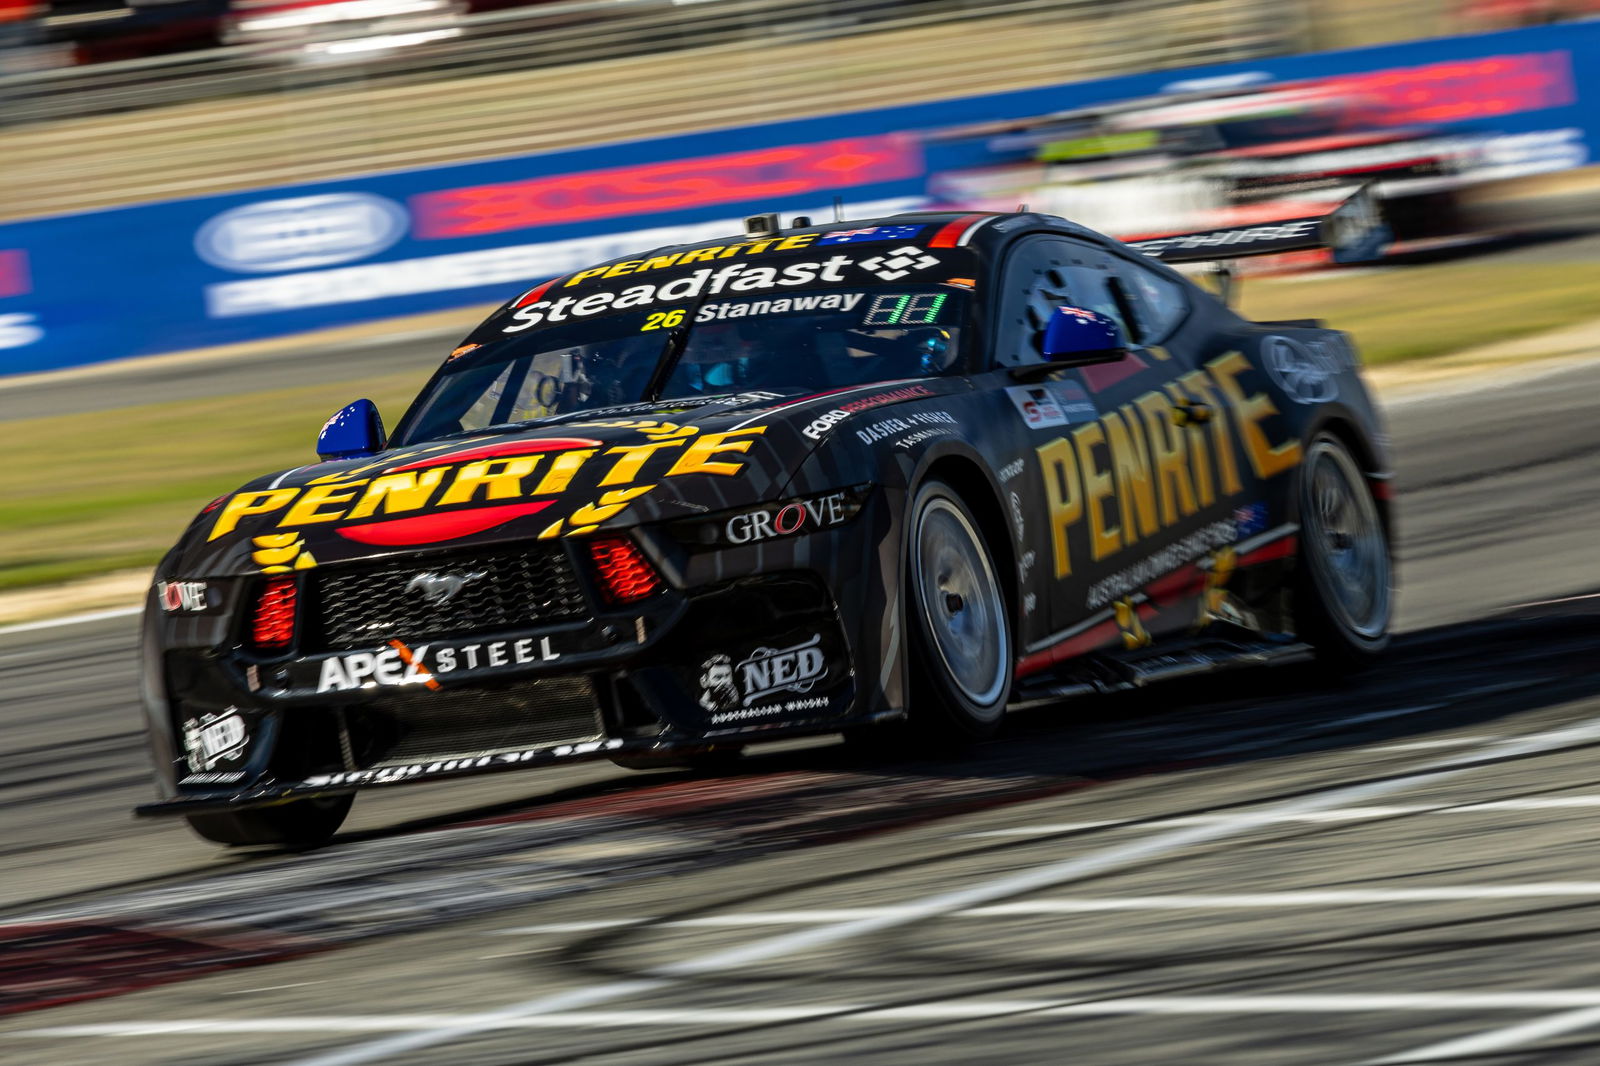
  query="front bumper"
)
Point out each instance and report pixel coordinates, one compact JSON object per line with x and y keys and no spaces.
{"x":761,"y":656}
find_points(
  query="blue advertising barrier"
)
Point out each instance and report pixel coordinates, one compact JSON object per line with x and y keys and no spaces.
{"x":181,"y":274}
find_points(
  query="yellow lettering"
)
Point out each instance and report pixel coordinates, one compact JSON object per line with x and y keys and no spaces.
{"x":1059,"y":468}
{"x":1199,"y":386}
{"x":503,"y":484}
{"x":1104,"y":538}
{"x":799,"y":240}
{"x":1168,"y":451}
{"x":1131,"y":460}
{"x":627,"y":266}
{"x":405,"y":491}
{"x":632,"y":458}
{"x":559,"y":476}
{"x":1267,"y":459}
{"x":583,"y":275}
{"x":700,"y":255}
{"x":756,"y":247}
{"x":244,"y":504}
{"x":309,"y":507}
{"x":611,"y":504}
{"x":696,"y":459}
{"x":657,"y":262}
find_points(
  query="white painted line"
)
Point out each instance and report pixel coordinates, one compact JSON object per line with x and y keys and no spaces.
{"x":1345,"y":814}
{"x":1499,"y":1039}
{"x":1117,"y":857}
{"x":1442,"y":742}
{"x":71,"y":620}
{"x":1091,"y":905}
{"x":1586,"y":1000}
{"x":1548,"y":603}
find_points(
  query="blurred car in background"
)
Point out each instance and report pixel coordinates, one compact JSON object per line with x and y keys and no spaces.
{"x":1175,"y":162}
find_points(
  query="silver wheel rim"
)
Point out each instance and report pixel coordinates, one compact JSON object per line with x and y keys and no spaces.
{"x":1344,"y":539}
{"x":961,"y":602}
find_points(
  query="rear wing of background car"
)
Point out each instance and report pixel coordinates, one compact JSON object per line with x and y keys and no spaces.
{"x":1354,"y":230}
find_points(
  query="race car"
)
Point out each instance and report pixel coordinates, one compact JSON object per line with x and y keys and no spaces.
{"x":887,"y":478}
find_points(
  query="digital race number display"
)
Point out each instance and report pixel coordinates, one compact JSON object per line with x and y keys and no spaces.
{"x":905,"y":309}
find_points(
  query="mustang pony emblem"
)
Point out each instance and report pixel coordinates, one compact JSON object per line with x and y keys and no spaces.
{"x":441,"y":588}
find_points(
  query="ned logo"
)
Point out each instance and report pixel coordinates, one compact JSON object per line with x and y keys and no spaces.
{"x":771,"y":670}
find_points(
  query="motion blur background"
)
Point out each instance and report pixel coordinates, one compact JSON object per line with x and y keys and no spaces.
{"x":238,"y":178}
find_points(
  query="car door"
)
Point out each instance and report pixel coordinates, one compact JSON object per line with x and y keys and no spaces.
{"x":1118,"y":493}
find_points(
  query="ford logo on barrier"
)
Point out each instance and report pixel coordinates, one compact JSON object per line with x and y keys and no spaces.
{"x":306,"y":231}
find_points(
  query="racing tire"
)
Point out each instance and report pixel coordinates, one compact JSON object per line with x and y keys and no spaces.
{"x":300,"y":824}
{"x":1344,"y":583}
{"x":958,"y":623}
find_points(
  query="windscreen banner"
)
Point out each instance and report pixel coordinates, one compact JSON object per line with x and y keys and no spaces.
{"x":184,"y":274}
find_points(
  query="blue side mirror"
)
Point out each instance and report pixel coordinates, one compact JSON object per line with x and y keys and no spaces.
{"x":1078,"y":335}
{"x":352,"y":432}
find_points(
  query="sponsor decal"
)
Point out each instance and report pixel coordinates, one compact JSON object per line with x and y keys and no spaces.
{"x":780,"y":173}
{"x":812,"y":703}
{"x":399,"y":665}
{"x":448,"y":491}
{"x":1133,"y":473}
{"x":19,"y":329}
{"x":185,"y":596}
{"x":1016,"y":515}
{"x":921,"y":436}
{"x":1011,"y":470}
{"x":900,"y":262}
{"x":1295,"y":231}
{"x":1130,"y":579}
{"x":545,"y":304}
{"x":889,"y":427}
{"x":305,"y":231}
{"x":1052,"y":403}
{"x":726,"y":686}
{"x":870,"y":233}
{"x":214,"y":738}
{"x":820,"y":426}
{"x":692,"y":255}
{"x":442,"y":588}
{"x":391,"y":774}
{"x":786,"y":520}
{"x":213,"y":779}
{"x":835,"y":301}
{"x":1307,"y":375}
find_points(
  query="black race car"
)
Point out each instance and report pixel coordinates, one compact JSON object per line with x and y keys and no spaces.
{"x":900,"y":473}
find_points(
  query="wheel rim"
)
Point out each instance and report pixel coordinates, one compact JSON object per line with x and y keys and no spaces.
{"x":961,"y":602}
{"x":1345,"y":541}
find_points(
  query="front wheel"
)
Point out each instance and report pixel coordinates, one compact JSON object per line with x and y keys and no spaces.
{"x":1344,"y":596}
{"x":959,"y":622}
{"x":298,"y":824}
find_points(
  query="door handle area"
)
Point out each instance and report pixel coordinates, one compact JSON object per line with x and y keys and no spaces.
{"x":1190,"y":413}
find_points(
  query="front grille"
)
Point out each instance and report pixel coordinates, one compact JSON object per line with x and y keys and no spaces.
{"x":512,"y":588}
{"x":425,"y":726}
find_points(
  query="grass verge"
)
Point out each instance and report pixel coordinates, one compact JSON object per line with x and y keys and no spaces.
{"x":91,"y":493}
{"x":1399,"y":313}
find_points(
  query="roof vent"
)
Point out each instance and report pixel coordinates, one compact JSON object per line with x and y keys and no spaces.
{"x":762,"y":225}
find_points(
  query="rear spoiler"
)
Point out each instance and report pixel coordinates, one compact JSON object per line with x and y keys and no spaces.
{"x":1355,"y":230}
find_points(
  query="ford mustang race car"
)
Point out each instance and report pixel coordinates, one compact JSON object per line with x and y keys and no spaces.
{"x":887,"y":478}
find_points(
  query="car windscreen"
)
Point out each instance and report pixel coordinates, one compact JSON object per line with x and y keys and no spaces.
{"x":805,"y":341}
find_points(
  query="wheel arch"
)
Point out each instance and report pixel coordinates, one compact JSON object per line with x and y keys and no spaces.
{"x":983,"y":498}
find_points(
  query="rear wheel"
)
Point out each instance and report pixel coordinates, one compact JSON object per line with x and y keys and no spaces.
{"x":302,"y":823}
{"x":959,"y":622}
{"x":1344,"y":601}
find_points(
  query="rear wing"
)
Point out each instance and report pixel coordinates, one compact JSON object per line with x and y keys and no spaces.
{"x":1355,"y":230}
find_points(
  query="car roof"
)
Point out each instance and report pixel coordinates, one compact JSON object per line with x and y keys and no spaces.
{"x":981,"y":231}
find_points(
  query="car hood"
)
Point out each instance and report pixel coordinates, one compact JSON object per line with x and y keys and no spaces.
{"x":556,"y":478}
